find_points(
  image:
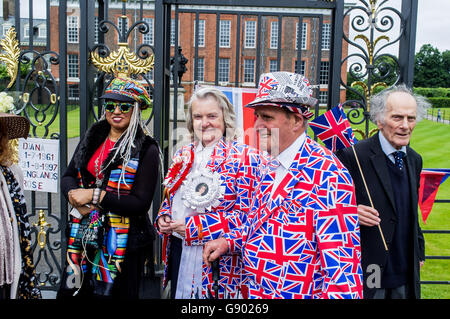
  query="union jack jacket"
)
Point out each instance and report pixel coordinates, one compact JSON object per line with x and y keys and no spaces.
{"x":303,"y":241}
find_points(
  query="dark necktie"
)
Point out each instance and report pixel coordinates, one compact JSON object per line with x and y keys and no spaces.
{"x":398,"y":156}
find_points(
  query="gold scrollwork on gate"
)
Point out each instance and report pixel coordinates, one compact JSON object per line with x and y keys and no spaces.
{"x":122,"y":62}
{"x":368,"y":93}
{"x":11,"y":54}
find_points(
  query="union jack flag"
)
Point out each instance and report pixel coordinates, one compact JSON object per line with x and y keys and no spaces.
{"x":333,"y":129}
{"x":266,"y":85}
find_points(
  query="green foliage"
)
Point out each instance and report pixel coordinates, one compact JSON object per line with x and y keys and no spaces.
{"x":439,"y":102}
{"x":385,"y":70}
{"x":431,"y":68}
{"x":433,"y":92}
{"x":4,"y":77}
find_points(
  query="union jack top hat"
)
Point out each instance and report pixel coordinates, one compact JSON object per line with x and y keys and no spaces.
{"x":284,"y":89}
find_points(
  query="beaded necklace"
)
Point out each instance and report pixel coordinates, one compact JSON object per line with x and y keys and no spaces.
{"x":97,"y":164}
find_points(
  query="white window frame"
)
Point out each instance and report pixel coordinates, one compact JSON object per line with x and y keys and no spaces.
{"x":172,"y":32}
{"x":73,"y":91}
{"x":250,"y":34}
{"x":324,"y":72}
{"x":96,"y":22}
{"x":42,"y":30}
{"x":323,"y":97}
{"x":304,"y":37}
{"x":149,"y":37}
{"x":225,"y":33}
{"x":26,"y":30}
{"x":200,"y":69}
{"x":5,"y":29}
{"x":271,"y":62}
{"x":326,"y":36}
{"x":73,"y":35}
{"x":274,"y":34}
{"x":223,"y":72}
{"x":302,"y":66}
{"x":249,"y":71}
{"x":201,"y":32}
{"x":119,"y":24}
{"x":72,"y":66}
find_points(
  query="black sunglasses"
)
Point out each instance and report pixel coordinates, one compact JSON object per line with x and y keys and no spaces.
{"x":110,"y":106}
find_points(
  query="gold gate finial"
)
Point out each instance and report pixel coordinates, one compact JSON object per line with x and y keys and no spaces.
{"x":10,"y":45}
{"x":122,"y":63}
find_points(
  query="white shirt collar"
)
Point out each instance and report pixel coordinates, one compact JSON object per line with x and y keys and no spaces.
{"x":201,"y":148}
{"x":288,"y":155}
{"x":387,"y":148}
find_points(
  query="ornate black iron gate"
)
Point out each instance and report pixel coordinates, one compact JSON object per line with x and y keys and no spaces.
{"x":59,"y":84}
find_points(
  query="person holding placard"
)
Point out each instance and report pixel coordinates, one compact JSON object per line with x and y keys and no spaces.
{"x":110,"y":183}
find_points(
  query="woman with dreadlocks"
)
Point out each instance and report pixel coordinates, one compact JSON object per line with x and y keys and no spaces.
{"x":110,"y":183}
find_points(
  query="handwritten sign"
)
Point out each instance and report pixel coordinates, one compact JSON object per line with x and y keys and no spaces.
{"x":39,"y":160}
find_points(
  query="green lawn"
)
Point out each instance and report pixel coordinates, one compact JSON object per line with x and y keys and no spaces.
{"x":432,"y":141}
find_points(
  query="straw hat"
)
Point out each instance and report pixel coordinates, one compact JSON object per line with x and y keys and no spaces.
{"x":16,"y":125}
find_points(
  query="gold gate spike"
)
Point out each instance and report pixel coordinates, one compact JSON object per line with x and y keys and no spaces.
{"x":10,"y":45}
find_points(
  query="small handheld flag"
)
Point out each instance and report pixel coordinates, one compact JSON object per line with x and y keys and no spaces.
{"x":333,"y":129}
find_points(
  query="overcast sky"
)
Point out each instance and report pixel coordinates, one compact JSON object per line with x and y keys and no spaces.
{"x":433,"y":23}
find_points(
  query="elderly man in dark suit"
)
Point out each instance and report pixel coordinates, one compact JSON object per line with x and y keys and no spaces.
{"x":392,"y":173}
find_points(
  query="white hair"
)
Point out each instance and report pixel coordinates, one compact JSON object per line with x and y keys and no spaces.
{"x":378,"y":103}
{"x":229,"y":117}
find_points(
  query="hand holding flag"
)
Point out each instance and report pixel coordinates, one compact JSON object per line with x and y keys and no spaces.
{"x":333,"y":129}
{"x":335,"y":132}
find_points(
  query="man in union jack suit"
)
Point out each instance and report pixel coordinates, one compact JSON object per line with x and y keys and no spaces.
{"x":301,"y":238}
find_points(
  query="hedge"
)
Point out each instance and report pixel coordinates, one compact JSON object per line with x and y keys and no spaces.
{"x":433,"y":92}
{"x":438,"y":102}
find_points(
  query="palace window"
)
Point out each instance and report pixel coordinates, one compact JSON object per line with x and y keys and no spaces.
{"x":224,"y":33}
{"x":72,"y":29}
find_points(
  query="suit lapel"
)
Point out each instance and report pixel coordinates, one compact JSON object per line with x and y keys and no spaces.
{"x":411,"y":169}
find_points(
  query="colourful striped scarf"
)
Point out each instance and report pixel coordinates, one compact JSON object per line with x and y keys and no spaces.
{"x":107,"y":260}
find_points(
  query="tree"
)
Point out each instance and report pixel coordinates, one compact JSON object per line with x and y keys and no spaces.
{"x":429,"y":69}
{"x":446,"y":65}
